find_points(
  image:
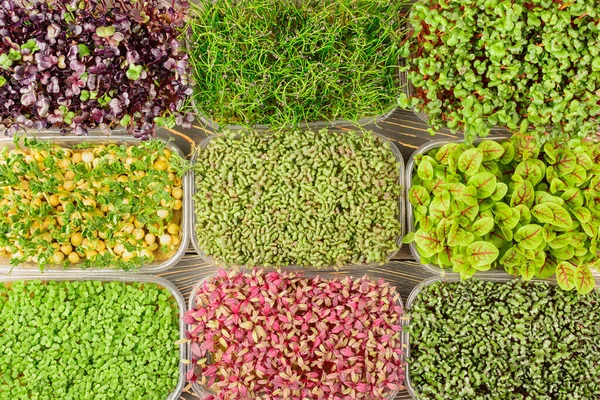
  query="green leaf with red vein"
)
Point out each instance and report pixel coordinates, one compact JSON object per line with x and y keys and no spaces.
{"x":509,"y":153}
{"x":542,"y":213}
{"x":547,"y":269}
{"x":500,"y":192}
{"x":584,"y":280}
{"x":565,"y":162}
{"x":470,"y":161}
{"x":491,"y":150}
{"x":576,"y":177}
{"x":469,"y":195}
{"x":484,"y":182}
{"x":425,"y":170}
{"x":573,"y":197}
{"x":483,"y":226}
{"x":418,"y":195}
{"x":582,"y":214}
{"x":527,"y":271}
{"x":445,"y":153}
{"x":565,"y":275}
{"x":529,"y":236}
{"x":428,"y":241}
{"x":528,"y":170}
{"x":523,"y":194}
{"x":482,"y":253}
{"x":562,"y":218}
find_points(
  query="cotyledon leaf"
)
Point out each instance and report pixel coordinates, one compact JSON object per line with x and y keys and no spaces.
{"x":483,"y":226}
{"x":482,"y":253}
{"x":528,"y":170}
{"x":425,"y":170}
{"x":509,"y":153}
{"x":428,"y":241}
{"x":565,"y":161}
{"x":565,"y":275}
{"x":584,"y":280}
{"x":547,"y":269}
{"x":418,"y":195}
{"x":470,"y":161}
{"x":500,"y":192}
{"x":542,"y":213}
{"x":491,"y":150}
{"x":529,"y":236}
{"x":484,"y":182}
{"x":562,"y":218}
{"x":523,"y":194}
{"x":445,"y":152}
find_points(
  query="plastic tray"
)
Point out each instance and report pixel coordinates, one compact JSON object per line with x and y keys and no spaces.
{"x":401,"y":203}
{"x":69,"y":141}
{"x":424,"y":149}
{"x":215,"y":127}
{"x":120,"y":277}
{"x":203,"y":392}
{"x":450,"y":278}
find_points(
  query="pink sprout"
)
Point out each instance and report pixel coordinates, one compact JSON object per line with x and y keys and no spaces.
{"x":279,"y":335}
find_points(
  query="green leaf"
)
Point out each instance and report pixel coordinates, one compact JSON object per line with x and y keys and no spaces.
{"x":467,"y":272}
{"x":524,"y":214}
{"x":577,"y":176}
{"x":428,"y":241}
{"x":511,"y":259}
{"x":470,"y":212}
{"x":483,"y":226}
{"x":500,"y":192}
{"x":509,"y":153}
{"x":455,"y":235}
{"x":527,"y":271}
{"x":84,"y":51}
{"x":491,"y":150}
{"x":562,"y":218}
{"x":523,"y":194}
{"x":565,"y":162}
{"x":418,"y":196}
{"x":482,"y":253}
{"x":484,"y":182}
{"x":5,"y":61}
{"x":582,"y":214}
{"x":469,"y":195}
{"x":470,"y":161}
{"x":548,"y":234}
{"x":542,"y":213}
{"x":135,"y":71}
{"x":565,"y":253}
{"x":529,"y":236}
{"x":547,"y":269}
{"x":502,"y":212}
{"x":105,"y":31}
{"x":545,"y":197}
{"x":584,"y":160}
{"x":445,"y":153}
{"x":565,"y":275}
{"x":528,"y":170}
{"x":557,"y":185}
{"x":573,"y":197}
{"x":408,"y":238}
{"x":443,"y":229}
{"x":560,"y":241}
{"x":584,"y":281}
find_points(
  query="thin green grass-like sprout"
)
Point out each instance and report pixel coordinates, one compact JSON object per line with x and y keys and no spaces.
{"x":280,"y":63}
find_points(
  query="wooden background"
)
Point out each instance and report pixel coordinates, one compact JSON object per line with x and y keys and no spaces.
{"x":406,"y":130}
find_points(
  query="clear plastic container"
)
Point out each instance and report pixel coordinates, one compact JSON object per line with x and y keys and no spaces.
{"x":69,"y":141}
{"x":203,"y":392}
{"x":401,"y":204}
{"x":120,"y":277}
{"x":376,"y":119}
{"x":449,"y":278}
{"x":410,"y":166}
